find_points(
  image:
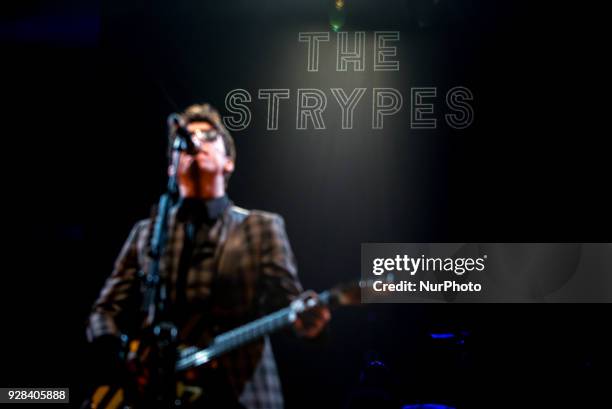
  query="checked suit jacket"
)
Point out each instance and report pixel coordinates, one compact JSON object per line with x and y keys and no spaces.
{"x":244,"y":269}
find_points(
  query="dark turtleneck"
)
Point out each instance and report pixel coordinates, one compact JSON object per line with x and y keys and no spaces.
{"x":198,"y":216}
{"x":197,"y":210}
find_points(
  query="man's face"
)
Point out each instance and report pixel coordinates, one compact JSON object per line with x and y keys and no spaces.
{"x":211,"y":158}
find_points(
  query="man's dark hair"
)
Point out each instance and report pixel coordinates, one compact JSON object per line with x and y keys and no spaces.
{"x":205,"y":113}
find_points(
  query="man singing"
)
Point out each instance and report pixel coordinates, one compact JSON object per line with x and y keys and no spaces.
{"x":224,"y":267}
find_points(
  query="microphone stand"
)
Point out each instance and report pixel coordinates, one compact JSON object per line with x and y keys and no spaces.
{"x":155,"y":303}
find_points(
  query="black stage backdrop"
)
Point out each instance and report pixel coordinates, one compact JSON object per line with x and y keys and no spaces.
{"x":88,"y":87}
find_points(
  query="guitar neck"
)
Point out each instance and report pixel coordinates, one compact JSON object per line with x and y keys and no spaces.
{"x":242,"y":335}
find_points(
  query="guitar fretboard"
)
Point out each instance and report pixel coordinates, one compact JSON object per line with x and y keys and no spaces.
{"x":242,"y":335}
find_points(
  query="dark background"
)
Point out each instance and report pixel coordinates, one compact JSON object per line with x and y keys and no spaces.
{"x":87,"y":88}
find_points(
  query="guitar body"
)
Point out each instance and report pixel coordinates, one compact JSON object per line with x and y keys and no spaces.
{"x":115,"y":397}
{"x":139,"y":386}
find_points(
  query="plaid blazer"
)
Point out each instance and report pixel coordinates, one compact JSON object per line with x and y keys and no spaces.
{"x":250,"y":272}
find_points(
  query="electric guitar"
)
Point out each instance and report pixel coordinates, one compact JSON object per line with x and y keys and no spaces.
{"x":131,"y":393}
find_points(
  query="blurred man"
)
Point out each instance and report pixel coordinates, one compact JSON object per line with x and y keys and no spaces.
{"x":224,"y":267}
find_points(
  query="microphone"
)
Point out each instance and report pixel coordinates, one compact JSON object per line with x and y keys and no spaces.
{"x":182,"y":141}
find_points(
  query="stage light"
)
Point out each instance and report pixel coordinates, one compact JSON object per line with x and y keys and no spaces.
{"x":442,"y":336}
{"x":336,"y":15}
